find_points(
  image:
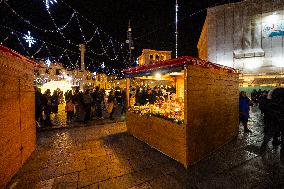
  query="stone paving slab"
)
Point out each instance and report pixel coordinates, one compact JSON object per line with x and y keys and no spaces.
{"x":106,"y":156}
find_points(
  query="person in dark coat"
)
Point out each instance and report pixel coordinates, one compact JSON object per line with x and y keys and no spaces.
{"x":137,"y":96}
{"x":244,"y":108}
{"x":254,"y":96}
{"x":97,"y":100}
{"x":117,"y":95}
{"x":111,"y":104}
{"x":55,"y":102}
{"x":123,"y":101}
{"x":38,"y":105}
{"x":143,"y":97}
{"x":46,"y":102}
{"x":275,"y":122}
{"x":76,"y":101}
{"x":262,"y":102}
{"x":87,"y":105}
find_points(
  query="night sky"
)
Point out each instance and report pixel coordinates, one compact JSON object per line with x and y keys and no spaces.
{"x":152,"y":21}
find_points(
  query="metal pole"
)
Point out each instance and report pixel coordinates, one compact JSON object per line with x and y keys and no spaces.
{"x":130,"y":42}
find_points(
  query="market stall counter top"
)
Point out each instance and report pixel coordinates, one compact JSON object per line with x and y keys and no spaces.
{"x":190,"y":119}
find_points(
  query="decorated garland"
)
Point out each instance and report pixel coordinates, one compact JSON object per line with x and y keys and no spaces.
{"x":166,"y":117}
{"x":169,"y":117}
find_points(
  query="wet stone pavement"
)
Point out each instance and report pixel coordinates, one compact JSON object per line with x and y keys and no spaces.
{"x":105,"y":156}
{"x":59,"y":120}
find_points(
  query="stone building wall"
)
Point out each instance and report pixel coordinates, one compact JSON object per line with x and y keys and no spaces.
{"x":247,"y":35}
{"x":149,"y":56}
{"x":212,"y":110}
{"x":202,"y":43}
{"x":17,"y":122}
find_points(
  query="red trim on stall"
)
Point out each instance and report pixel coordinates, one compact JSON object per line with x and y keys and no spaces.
{"x":181,"y":61}
{"x":17,"y":55}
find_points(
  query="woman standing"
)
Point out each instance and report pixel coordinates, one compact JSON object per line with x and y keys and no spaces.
{"x":46,"y":102}
{"x":244,"y":103}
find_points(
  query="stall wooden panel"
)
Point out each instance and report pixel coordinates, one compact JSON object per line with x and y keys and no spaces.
{"x":17,"y":122}
{"x":211,"y":110}
{"x":161,"y":134}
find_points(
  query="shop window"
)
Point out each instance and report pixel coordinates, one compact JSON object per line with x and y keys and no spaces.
{"x":58,"y":71}
{"x":157,"y":57}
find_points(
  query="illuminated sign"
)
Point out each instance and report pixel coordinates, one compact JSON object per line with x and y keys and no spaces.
{"x":273,"y":29}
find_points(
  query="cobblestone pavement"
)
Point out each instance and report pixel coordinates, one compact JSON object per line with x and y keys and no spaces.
{"x":105,"y":156}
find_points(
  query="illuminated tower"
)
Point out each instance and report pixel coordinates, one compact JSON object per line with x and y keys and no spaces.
{"x":83,"y":50}
{"x":130,"y":42}
{"x":176,"y":33}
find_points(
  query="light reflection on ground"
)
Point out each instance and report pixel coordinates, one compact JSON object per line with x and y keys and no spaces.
{"x":105,"y":156}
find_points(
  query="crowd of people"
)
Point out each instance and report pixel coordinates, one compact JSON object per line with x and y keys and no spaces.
{"x":90,"y":104}
{"x":80,"y":106}
{"x":271,"y":105}
{"x":144,"y":95}
{"x":46,"y":104}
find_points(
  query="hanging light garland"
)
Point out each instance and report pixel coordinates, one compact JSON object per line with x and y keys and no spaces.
{"x":111,"y":49}
{"x":49,"y":2}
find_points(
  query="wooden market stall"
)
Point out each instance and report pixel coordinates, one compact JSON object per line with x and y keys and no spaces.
{"x":196,"y":119}
{"x":18,"y":127}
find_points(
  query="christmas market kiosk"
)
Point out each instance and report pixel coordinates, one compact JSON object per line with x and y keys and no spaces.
{"x":186,"y":107}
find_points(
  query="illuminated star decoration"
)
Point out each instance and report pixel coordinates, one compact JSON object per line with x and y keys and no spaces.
{"x":29,"y":39}
{"x":48,"y":2}
{"x":48,"y":62}
{"x":103,"y":65}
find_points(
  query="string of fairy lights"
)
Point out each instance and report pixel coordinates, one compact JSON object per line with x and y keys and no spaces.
{"x":104,"y":56}
{"x":104,"y":53}
{"x":66,"y":52}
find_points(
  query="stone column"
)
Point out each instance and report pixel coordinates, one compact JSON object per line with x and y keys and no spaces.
{"x":83,"y":50}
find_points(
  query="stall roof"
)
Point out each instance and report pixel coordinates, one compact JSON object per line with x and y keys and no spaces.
{"x":10,"y":52}
{"x":174,"y":65}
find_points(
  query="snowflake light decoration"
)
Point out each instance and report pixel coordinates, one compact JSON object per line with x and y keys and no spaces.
{"x":49,"y":2}
{"x":47,"y":62}
{"x":29,"y":39}
{"x":103,"y":65}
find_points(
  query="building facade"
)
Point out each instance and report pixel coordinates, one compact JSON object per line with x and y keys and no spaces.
{"x":55,"y":76}
{"x":149,"y":56}
{"x":248,"y":36}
